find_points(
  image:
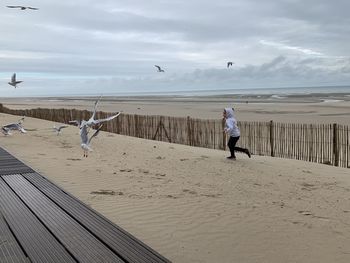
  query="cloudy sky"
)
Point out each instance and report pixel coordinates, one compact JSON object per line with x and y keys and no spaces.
{"x":106,"y":46}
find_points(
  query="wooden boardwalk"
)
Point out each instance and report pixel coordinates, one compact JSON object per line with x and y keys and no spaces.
{"x":39,"y":222}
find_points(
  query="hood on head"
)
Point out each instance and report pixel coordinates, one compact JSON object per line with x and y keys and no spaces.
{"x":229,"y":112}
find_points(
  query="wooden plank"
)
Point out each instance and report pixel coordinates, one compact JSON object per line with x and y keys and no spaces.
{"x":11,"y":165}
{"x":120,"y":241}
{"x":37,"y":242}
{"x":10,"y":250}
{"x":79,"y":242}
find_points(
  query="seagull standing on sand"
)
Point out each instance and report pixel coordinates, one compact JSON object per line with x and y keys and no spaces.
{"x":22,"y":7}
{"x":59,"y":128}
{"x":14,"y":82}
{"x":229,"y":64}
{"x":85,"y":140}
{"x":159,"y":68}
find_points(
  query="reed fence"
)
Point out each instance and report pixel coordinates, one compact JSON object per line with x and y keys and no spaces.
{"x":321,"y":143}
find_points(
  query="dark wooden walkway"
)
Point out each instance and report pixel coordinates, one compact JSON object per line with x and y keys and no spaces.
{"x":39,"y":222}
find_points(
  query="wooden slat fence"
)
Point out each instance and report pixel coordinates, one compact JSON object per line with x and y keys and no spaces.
{"x":321,"y":143}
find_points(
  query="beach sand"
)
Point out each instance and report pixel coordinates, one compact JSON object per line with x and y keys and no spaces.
{"x":191,"y":204}
{"x":307,"y":108}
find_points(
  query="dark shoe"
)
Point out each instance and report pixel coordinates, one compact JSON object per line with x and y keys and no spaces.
{"x":231,"y":158}
{"x":248,"y":153}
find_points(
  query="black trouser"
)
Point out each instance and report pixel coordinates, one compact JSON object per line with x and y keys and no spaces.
{"x":232,"y":145}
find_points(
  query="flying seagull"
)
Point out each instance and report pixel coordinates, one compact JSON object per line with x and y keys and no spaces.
{"x":159,"y":68}
{"x":59,"y":128}
{"x":229,"y":64}
{"x":85,"y":140}
{"x":22,"y":7}
{"x":14,"y":82}
{"x":12,"y":127}
{"x":92,"y":121}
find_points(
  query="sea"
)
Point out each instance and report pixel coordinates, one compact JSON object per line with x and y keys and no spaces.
{"x":285,"y":91}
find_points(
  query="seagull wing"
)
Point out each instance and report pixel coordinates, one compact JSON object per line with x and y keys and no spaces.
{"x":157,"y":67}
{"x":14,"y":6}
{"x":94,"y":112}
{"x":32,"y":8}
{"x":21,"y":129}
{"x":13,"y":78}
{"x":62,"y":127}
{"x":96,"y":133}
{"x":11,"y":126}
{"x":106,"y":119}
{"x":5,"y":130}
{"x":75,"y":122}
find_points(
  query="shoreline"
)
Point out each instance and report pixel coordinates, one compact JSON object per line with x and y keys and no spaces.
{"x":307,"y":108}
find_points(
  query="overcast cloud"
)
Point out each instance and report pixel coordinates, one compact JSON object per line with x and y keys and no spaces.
{"x":72,"y":47}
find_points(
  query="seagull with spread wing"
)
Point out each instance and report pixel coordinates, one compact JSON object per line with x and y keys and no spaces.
{"x":159,"y":68}
{"x":59,"y":128}
{"x":14,"y":82}
{"x":229,"y":64}
{"x":22,"y":7}
{"x":85,"y":140}
{"x":92,"y":121}
{"x":12,"y":127}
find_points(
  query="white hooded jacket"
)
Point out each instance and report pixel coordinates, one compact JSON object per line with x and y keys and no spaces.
{"x":231,"y":124}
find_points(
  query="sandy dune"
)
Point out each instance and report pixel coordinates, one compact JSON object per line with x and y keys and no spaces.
{"x":193,"y":205}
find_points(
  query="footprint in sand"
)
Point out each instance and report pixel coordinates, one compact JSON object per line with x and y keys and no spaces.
{"x":106,"y":192}
{"x":211,"y":195}
{"x":43,"y":154}
{"x":308,"y":187}
{"x":305,"y":213}
{"x":73,"y":159}
{"x":307,"y":171}
{"x":143,"y":171}
{"x":160,"y":158}
{"x":192,"y":192}
{"x":171,"y":196}
{"x":125,"y":170}
{"x":67,"y":147}
{"x":183,"y":159}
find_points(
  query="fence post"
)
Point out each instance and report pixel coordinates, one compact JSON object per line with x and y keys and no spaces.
{"x":272,"y":137}
{"x":223,"y":134}
{"x":335,"y":144}
{"x":189,"y":132}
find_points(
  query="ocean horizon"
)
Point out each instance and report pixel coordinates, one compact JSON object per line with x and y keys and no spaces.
{"x":285,"y":91}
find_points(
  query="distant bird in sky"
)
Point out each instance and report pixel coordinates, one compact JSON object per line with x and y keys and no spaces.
{"x":22,"y":7}
{"x":59,"y":128}
{"x":85,"y":140}
{"x":14,"y":82}
{"x":229,"y":64}
{"x":159,"y":68}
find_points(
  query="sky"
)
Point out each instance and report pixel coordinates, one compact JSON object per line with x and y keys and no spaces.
{"x":111,"y":46}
